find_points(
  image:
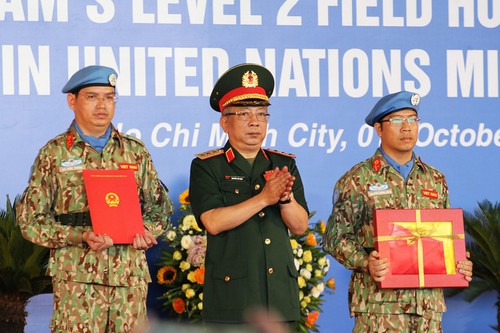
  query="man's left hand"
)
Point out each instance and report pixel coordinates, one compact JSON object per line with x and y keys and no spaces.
{"x":144,"y":242}
{"x":465,"y":267}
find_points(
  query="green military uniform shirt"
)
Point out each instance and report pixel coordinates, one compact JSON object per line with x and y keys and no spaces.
{"x":56,"y":187}
{"x":374,"y":184}
{"x":251,"y":265}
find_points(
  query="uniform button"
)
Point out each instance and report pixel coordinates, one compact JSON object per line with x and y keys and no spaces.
{"x":267,"y":241}
{"x":270,"y":270}
{"x":237,"y":191}
{"x":257,"y":187}
{"x":227,"y":278}
{"x":262,"y":214}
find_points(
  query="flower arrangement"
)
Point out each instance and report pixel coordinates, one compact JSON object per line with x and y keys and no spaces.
{"x":313,"y":265}
{"x":182,"y":266}
{"x":182,"y":269}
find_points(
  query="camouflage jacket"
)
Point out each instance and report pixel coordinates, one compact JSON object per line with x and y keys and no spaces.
{"x":56,"y":187}
{"x":349,"y":234}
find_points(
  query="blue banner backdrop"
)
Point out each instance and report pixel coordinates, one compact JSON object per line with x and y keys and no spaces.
{"x":332,"y":60}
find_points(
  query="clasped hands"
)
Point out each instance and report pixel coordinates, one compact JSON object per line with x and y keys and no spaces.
{"x":103,"y":241}
{"x":378,"y":267}
{"x":278,"y":186}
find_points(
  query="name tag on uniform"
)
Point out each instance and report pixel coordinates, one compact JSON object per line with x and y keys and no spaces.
{"x":235,"y":178}
{"x":378,"y":189}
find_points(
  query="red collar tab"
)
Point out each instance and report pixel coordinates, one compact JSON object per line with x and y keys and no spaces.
{"x":376,"y":164}
{"x":230,"y":155}
{"x":264,"y":153}
{"x":70,"y":140}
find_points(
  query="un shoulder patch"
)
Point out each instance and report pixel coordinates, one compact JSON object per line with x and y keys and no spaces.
{"x":210,"y":153}
{"x":280,"y":153}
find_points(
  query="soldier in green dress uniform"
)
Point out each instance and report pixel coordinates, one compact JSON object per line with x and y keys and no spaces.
{"x":394,"y":177}
{"x":98,"y":286}
{"x":248,"y":199}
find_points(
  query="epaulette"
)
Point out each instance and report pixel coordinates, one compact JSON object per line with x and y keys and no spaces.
{"x":130,"y":137}
{"x":280,"y":153}
{"x":210,"y":153}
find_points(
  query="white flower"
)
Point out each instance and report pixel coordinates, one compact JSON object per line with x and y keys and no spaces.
{"x":317,"y":290}
{"x":299,"y":252}
{"x":327,"y":266}
{"x":305,"y":273}
{"x":297,"y":263}
{"x":185,"y":242}
{"x":171,"y":235}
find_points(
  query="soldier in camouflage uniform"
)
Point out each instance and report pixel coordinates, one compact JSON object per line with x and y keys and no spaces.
{"x":394,"y":177}
{"x":98,"y":286}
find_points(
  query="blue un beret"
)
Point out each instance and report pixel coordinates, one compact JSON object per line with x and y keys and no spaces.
{"x":91,"y":76}
{"x":392,"y":103}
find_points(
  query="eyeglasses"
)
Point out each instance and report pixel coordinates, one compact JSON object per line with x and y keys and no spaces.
{"x":94,"y":98}
{"x":245,"y":115}
{"x":400,"y":121}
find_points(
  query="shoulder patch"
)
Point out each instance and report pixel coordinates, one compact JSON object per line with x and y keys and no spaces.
{"x":280,"y":153}
{"x":210,"y":153}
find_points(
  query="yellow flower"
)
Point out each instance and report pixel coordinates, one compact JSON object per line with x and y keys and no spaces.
{"x":177,"y":255}
{"x":322,"y":227}
{"x":190,"y":293}
{"x":184,"y":266}
{"x":311,"y":240}
{"x":200,"y":306}
{"x":185,"y":286}
{"x":294,"y":244}
{"x":307,"y":256}
{"x":318,"y":273}
{"x":322,"y":262}
{"x":301,"y":281}
{"x":189,"y":222}
{"x":184,"y":198}
{"x":191,"y":276}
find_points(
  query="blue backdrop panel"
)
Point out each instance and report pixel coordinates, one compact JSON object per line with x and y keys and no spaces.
{"x":332,"y":61}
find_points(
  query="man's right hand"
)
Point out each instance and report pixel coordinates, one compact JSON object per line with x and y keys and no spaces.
{"x":279,"y":184}
{"x":97,"y":242}
{"x":377,"y":266}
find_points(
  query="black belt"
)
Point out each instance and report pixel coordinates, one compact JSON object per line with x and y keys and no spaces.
{"x":75,"y":219}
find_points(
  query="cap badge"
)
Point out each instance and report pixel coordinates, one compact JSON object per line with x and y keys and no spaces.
{"x":250,"y":80}
{"x":415,"y":99}
{"x":112,"y":79}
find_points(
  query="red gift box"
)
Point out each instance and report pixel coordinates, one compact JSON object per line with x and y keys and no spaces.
{"x":423,"y":247}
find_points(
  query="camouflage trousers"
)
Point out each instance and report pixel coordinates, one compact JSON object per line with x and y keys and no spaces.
{"x":429,"y":322}
{"x":85,"y":307}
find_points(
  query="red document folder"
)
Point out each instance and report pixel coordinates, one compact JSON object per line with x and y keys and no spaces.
{"x":423,"y":247}
{"x":114,"y":204}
